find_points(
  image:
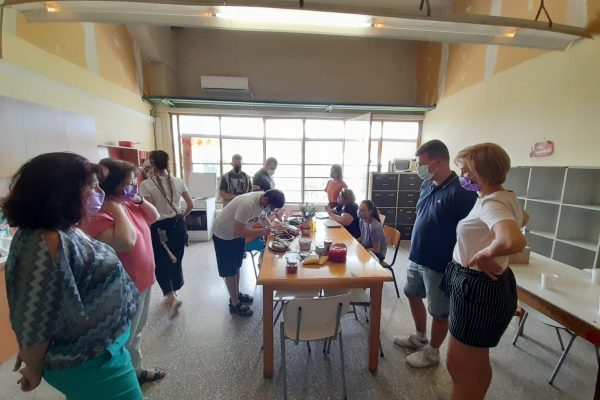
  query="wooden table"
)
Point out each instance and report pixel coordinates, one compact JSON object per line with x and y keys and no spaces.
{"x":574,"y":302}
{"x":359,"y":271}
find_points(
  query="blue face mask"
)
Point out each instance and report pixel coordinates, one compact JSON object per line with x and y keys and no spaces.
{"x":469,"y":185}
{"x":95,"y":202}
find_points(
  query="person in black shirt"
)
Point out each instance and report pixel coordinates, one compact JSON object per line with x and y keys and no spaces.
{"x":234,"y":182}
{"x":346,"y":213}
{"x":264,"y":177}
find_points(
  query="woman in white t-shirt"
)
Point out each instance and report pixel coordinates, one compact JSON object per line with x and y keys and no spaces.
{"x":482,"y":289}
{"x":169,"y":232}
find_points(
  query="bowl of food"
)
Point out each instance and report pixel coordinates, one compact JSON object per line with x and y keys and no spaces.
{"x":279,"y":245}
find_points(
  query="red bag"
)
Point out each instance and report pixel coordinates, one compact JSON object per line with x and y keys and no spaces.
{"x":337,"y":253}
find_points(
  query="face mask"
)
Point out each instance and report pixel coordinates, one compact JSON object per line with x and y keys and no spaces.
{"x":423,"y":172}
{"x":270,"y":171}
{"x":362,"y":214}
{"x":266,"y":209}
{"x":95,"y":202}
{"x":340,"y":200}
{"x":237,"y":168}
{"x":467,"y":184}
{"x":130,"y":191}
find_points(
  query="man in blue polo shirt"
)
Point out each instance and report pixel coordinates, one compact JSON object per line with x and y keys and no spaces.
{"x":442,"y":203}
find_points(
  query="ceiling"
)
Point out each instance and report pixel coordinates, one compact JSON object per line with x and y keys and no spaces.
{"x":395,"y":19}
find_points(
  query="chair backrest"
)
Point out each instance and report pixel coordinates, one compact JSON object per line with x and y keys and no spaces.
{"x":393,"y":237}
{"x":314,"y":319}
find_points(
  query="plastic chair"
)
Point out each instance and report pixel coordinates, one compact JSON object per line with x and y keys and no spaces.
{"x":253,"y":248}
{"x":558,"y":327}
{"x":393,"y":238}
{"x":313,"y":319}
{"x":358,"y":297}
{"x":280,"y":297}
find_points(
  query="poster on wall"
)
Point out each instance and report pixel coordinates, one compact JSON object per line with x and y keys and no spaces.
{"x":542,"y":149}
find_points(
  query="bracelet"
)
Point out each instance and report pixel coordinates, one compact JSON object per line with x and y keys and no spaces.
{"x":141,"y":202}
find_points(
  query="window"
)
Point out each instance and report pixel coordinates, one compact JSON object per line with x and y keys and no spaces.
{"x":305,"y":149}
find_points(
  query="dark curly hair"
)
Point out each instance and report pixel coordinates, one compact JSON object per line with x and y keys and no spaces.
{"x":46,"y":192}
{"x":117,"y":172}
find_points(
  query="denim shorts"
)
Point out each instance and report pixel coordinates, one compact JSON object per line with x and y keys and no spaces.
{"x":423,"y":282}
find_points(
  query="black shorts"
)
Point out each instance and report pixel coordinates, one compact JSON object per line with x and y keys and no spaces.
{"x":480,"y":308}
{"x":230,"y":254}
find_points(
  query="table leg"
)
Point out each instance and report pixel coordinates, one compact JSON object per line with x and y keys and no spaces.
{"x":374,"y":328}
{"x":268,"y":331}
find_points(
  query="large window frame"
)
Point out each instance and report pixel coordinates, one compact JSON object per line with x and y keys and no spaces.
{"x":375,"y":148}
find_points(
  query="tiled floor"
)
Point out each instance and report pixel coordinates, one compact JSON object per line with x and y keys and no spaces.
{"x":210,"y":354}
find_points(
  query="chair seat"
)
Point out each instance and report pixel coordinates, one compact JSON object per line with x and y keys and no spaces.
{"x":286,"y":295}
{"x":359,"y":297}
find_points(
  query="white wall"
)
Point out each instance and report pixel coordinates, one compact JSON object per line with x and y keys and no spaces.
{"x":555,"y":96}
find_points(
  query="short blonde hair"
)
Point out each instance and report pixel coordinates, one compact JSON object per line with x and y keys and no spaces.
{"x":488,"y":160}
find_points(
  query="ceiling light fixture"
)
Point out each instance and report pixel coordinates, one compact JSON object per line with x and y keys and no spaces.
{"x":292,"y":17}
{"x":51,"y":7}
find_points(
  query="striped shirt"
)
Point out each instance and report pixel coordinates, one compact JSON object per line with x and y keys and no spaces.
{"x":80,"y":304}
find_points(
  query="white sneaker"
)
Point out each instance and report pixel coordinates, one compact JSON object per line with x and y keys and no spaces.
{"x":413,"y":342}
{"x":424,"y":358}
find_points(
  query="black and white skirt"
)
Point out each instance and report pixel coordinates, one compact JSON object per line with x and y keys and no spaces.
{"x":480,"y":308}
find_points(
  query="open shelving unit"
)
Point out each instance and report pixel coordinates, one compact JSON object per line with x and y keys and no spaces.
{"x":564,"y":208}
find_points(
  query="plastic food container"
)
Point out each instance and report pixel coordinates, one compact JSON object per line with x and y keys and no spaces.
{"x":291,"y":268}
{"x":337,"y":253}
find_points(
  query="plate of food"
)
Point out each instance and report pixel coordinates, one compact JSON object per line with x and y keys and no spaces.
{"x":279,"y":245}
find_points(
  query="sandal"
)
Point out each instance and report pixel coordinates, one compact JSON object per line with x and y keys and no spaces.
{"x":245,"y":298}
{"x":159,"y":373}
{"x":240,"y":309}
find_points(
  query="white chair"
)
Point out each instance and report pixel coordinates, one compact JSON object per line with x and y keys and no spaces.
{"x":358,"y":297}
{"x":558,"y":327}
{"x":280,"y":297}
{"x":313,"y":319}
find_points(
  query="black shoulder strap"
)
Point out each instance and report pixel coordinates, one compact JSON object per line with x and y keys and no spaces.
{"x":164,"y":195}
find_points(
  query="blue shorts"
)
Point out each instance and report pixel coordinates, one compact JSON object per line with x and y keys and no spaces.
{"x":423,"y":282}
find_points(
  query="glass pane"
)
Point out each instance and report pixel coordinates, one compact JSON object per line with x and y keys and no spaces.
{"x":201,"y":168}
{"x":356,"y":153}
{"x":317,"y":171}
{"x":359,"y":187}
{"x":176,"y":146}
{"x":315,"y":197}
{"x":355,"y":171}
{"x":284,"y":128}
{"x":400,"y":130}
{"x":324,"y":129}
{"x":242,"y":126}
{"x":391,"y":150}
{"x":293,"y":196}
{"x":315,"y":183}
{"x":320,"y":152}
{"x":288,"y":171}
{"x":205,"y":150}
{"x":374,"y":151}
{"x":250,"y":150}
{"x":375,"y":129}
{"x":357,"y":130}
{"x":285,"y":151}
{"x":249,"y":169}
{"x":286,"y":184}
{"x":198,"y":125}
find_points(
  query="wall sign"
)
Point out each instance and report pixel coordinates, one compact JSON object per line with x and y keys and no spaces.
{"x":542,"y":149}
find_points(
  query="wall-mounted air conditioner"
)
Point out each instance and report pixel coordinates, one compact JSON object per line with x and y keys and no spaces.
{"x":232,"y":84}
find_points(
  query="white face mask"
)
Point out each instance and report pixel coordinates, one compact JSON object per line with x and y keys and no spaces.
{"x":423,"y":172}
{"x":270,"y":171}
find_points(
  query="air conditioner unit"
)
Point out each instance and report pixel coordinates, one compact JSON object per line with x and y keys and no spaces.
{"x":233,"y":84}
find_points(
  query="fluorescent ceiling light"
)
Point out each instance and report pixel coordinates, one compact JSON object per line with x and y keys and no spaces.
{"x":292,"y":17}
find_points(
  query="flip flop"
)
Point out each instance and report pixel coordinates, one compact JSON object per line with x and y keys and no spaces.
{"x":159,"y":373}
{"x":245,"y":298}
{"x":175,"y":309}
